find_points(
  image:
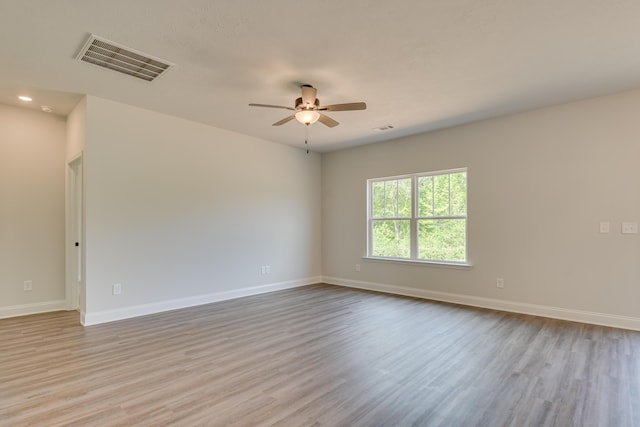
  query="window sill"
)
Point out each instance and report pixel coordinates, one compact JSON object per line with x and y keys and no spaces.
{"x":459,"y":265}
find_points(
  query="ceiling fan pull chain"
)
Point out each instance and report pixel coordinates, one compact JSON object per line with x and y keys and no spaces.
{"x":306,"y":137}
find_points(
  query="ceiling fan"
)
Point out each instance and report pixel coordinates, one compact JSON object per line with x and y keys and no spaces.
{"x":308,"y":109}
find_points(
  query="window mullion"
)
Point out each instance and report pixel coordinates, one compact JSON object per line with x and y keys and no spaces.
{"x":414,"y":214}
{"x":395,"y":208}
{"x":449,"y":190}
{"x":433,"y":196}
{"x":384,"y":206}
{"x":370,"y":202}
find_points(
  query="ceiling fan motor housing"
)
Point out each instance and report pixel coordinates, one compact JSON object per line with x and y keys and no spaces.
{"x":300,"y":106}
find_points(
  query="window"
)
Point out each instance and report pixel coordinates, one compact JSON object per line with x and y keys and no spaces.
{"x":421,"y":217}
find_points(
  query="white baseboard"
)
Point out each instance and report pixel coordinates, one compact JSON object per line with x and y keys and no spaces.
{"x":603,"y":319}
{"x":94,"y":318}
{"x":35,"y":308}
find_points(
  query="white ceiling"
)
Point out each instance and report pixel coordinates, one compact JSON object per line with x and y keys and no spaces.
{"x":418,"y":64}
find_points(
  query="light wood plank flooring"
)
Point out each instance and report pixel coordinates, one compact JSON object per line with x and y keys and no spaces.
{"x":318,"y":356}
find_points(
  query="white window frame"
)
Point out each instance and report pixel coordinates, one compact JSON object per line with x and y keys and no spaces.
{"x":415,"y":218}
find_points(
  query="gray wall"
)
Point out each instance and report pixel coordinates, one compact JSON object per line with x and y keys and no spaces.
{"x":32,"y":168}
{"x":177,"y":210}
{"x":540,"y":183}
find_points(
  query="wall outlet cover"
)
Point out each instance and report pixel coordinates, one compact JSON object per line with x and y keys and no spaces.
{"x":117,"y":289}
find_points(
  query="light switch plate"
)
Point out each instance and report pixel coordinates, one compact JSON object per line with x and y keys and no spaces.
{"x":629,"y":228}
{"x":604,"y":227}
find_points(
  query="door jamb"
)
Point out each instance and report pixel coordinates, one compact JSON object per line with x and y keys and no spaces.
{"x":74,"y":232}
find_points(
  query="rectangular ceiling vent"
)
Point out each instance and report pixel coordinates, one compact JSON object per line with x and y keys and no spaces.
{"x":107,"y":54}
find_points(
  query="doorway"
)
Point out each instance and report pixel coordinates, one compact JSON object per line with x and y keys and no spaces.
{"x":74,"y":234}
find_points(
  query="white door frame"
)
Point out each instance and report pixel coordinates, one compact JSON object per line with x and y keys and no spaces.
{"x":74,"y":234}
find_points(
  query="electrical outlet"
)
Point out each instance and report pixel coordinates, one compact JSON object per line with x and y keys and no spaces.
{"x":27,"y":286}
{"x":629,"y":228}
{"x":116,"y":289}
{"x":500,"y":283}
{"x":268,"y":269}
{"x":604,"y":227}
{"x":357,"y":267}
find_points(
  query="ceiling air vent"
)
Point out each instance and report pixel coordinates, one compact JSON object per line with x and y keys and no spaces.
{"x":122,"y":59}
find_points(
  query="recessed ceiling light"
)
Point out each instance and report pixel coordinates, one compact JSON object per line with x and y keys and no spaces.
{"x":46,"y":109}
{"x":25,"y":98}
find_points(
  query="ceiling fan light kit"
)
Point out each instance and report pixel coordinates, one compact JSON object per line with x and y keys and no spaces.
{"x":307,"y":117}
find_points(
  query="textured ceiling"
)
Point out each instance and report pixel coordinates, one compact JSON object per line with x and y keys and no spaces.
{"x":418,"y":64}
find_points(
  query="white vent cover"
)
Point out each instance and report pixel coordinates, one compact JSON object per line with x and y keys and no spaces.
{"x":107,"y":54}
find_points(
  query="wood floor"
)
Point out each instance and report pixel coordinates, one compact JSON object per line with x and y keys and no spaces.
{"x":318,"y":356}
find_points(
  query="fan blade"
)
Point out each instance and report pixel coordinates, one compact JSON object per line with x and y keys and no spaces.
{"x":351,"y":106}
{"x":285,"y":120}
{"x":327,"y":121}
{"x":309,"y":94}
{"x":271,"y":106}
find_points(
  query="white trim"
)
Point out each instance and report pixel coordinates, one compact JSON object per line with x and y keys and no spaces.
{"x":104,"y":316}
{"x":603,"y":319}
{"x":35,"y":308}
{"x":416,"y":262}
{"x":74,"y":217}
{"x":420,"y":174}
